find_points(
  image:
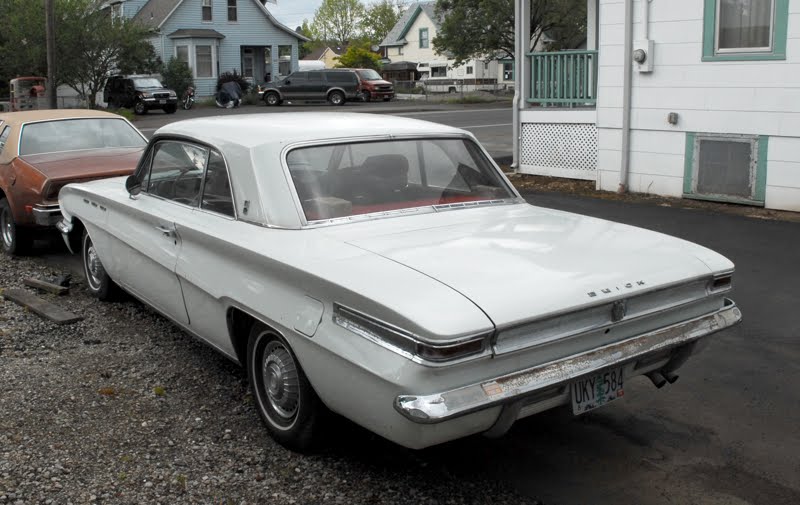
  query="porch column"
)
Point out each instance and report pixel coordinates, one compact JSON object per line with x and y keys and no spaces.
{"x":591,"y":24}
{"x":522,"y":75}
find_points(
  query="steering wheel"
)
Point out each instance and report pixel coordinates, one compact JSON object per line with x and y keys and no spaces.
{"x":173,"y":191}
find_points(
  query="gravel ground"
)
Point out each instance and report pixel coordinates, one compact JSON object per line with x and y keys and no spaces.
{"x":123,"y":407}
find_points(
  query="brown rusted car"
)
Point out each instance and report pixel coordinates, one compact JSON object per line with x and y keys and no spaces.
{"x":41,"y":151}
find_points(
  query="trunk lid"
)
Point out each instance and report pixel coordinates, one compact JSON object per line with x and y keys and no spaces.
{"x":85,"y":164}
{"x":519,"y":262}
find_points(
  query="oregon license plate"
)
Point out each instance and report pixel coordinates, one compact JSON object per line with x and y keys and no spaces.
{"x":596,"y":390}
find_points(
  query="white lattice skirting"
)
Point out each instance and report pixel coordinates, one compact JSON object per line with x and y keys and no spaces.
{"x":559,"y":150}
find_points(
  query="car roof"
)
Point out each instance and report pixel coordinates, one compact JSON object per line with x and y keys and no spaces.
{"x":255,"y":130}
{"x":27,"y":116}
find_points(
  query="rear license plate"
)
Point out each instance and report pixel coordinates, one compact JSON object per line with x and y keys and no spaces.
{"x":594,"y":391}
{"x":162,"y":101}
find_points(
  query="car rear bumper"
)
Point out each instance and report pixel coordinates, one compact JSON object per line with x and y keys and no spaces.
{"x":47,"y":215}
{"x":550,"y":380}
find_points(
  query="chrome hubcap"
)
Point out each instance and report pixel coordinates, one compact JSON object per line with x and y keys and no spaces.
{"x":94,"y":269}
{"x":281,"y":381}
{"x":7,"y":227}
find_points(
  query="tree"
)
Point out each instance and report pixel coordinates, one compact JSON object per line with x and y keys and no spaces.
{"x":479,"y":28}
{"x":379,"y":19}
{"x":338,"y":21}
{"x":22,"y":41}
{"x":90,"y":46}
{"x":177,"y":76}
{"x":359,"y":56}
{"x":306,"y":47}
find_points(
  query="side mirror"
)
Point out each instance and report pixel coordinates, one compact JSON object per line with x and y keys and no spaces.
{"x":133,"y":185}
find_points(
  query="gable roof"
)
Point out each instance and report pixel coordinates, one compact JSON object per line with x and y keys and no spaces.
{"x":155,"y":13}
{"x":396,"y":36}
{"x":317,"y":53}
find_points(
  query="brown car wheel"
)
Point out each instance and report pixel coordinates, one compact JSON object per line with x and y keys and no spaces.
{"x":285,"y":399}
{"x":14,"y":240}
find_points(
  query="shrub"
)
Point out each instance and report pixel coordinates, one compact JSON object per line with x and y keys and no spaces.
{"x":126,"y":113}
{"x":177,"y":76}
{"x":233,"y":76}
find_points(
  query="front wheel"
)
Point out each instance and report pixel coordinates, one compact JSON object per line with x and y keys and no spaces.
{"x":97,"y":280}
{"x":187,"y":104}
{"x":365,"y":96}
{"x":272,"y":98}
{"x":139,"y":107}
{"x":285,"y":399}
{"x":15,"y":240}
{"x":336,"y":98}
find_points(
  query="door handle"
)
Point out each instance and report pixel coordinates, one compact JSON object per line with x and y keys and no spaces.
{"x":167,"y":232}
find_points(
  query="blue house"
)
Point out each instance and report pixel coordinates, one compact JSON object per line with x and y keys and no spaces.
{"x":216,"y":36}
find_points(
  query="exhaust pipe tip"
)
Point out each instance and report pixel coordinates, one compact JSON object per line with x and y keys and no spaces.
{"x":657,"y":379}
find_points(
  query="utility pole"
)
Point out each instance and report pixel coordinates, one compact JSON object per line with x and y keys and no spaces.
{"x":50,"y":36}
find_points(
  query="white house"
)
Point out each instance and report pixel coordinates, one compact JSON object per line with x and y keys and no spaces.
{"x":411,"y":40}
{"x":687,"y":98}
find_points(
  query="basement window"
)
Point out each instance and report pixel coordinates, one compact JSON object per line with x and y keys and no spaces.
{"x":729,"y":168}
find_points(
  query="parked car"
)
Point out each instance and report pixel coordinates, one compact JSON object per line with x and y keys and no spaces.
{"x":373,"y":86}
{"x":334,"y":86}
{"x":385,"y":269}
{"x":41,"y":151}
{"x":141,"y":93}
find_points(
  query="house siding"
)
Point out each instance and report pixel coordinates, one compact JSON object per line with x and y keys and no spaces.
{"x":731,"y":97}
{"x":253,"y":28}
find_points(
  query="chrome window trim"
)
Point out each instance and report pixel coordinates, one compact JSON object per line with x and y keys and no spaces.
{"x":305,"y":224}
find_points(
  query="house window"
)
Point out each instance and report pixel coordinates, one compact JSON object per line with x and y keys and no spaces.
{"x":508,"y":70}
{"x":469,"y":70}
{"x":745,"y":29}
{"x":182,"y":53}
{"x":232,"y":14}
{"x":284,"y":60}
{"x":203,"y":61}
{"x":248,"y":62}
{"x":117,"y":12}
{"x":207,"y":10}
{"x":423,"y":38}
{"x":726,"y":167}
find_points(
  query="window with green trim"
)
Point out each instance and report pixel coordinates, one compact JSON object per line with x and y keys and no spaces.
{"x":745,"y":30}
{"x":423,"y":38}
{"x":726,"y":167}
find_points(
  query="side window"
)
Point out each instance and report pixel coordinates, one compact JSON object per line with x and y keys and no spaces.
{"x":299,"y":76}
{"x":315,"y":77}
{"x":176,"y":172}
{"x":217,"y":195}
{"x":4,"y":137}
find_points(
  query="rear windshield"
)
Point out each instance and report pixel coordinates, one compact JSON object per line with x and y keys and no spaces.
{"x":362,"y":178}
{"x":77,"y":134}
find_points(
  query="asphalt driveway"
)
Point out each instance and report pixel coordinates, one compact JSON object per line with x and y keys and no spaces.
{"x":728,"y":432}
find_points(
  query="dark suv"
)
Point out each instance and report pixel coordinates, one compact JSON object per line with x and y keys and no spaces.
{"x":139,"y":92}
{"x":335,"y":86}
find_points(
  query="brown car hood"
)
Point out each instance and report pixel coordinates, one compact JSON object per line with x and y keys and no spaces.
{"x":88,"y":163}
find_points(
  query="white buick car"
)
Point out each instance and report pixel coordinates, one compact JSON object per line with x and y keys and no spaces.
{"x":385,"y":269}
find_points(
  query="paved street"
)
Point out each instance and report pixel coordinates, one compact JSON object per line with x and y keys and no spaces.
{"x":728,"y":432}
{"x":491,"y":122}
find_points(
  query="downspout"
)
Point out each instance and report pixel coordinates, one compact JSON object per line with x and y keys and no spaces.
{"x":627,"y":61}
{"x":646,"y":19}
{"x":515,"y":103}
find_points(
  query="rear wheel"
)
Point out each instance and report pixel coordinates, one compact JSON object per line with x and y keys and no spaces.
{"x":285,"y":399}
{"x":97,"y":280}
{"x":272,"y":98}
{"x":14,"y":240}
{"x":336,"y":98}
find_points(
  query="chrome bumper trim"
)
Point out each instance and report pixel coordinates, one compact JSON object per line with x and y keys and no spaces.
{"x":47,"y":215}
{"x":438,"y":407}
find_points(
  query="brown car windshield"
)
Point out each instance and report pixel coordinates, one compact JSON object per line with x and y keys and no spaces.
{"x":77,"y":134}
{"x":344,"y":180}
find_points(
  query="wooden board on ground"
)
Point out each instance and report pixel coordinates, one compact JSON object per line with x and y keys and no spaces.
{"x":42,"y":307}
{"x":45,"y":286}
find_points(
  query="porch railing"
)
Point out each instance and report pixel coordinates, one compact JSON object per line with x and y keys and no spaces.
{"x":564,"y":78}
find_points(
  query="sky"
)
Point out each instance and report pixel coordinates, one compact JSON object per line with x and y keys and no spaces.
{"x":293,"y":12}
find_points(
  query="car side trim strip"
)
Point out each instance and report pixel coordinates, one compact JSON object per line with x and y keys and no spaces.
{"x":437,"y":407}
